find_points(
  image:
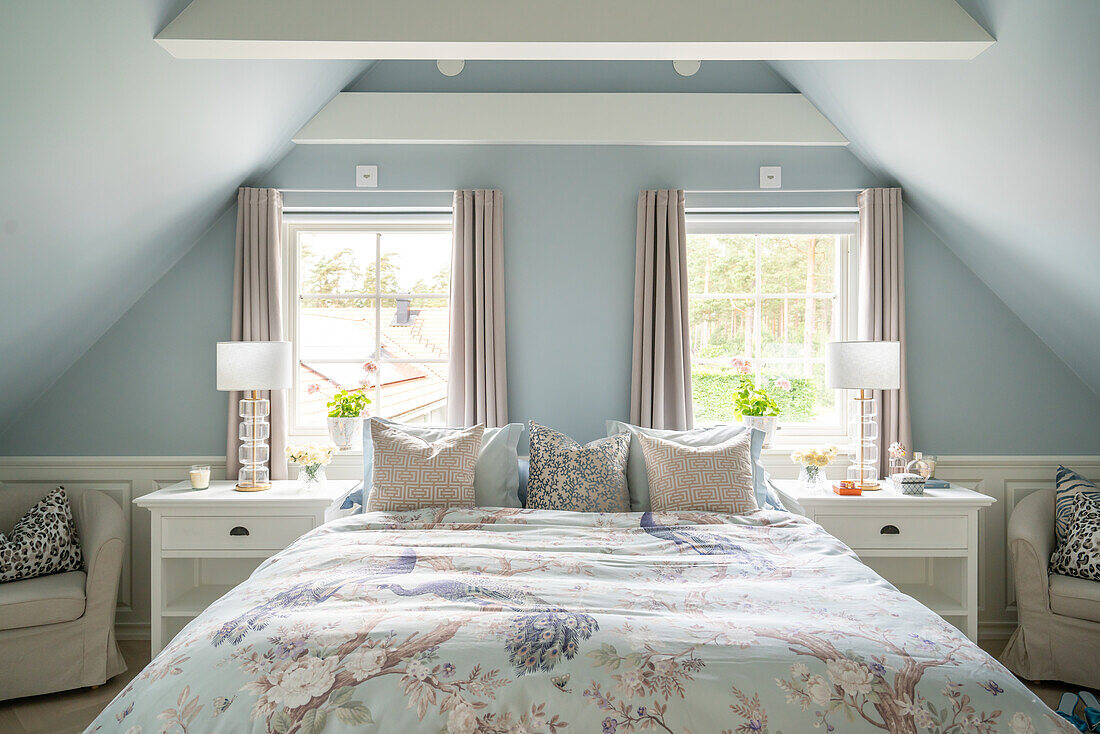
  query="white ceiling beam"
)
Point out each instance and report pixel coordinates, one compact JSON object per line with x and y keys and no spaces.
{"x":570,"y":119}
{"x":575,"y":29}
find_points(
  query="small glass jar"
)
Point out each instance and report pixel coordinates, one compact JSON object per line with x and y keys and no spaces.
{"x":919,"y":466}
{"x":812,"y":478}
{"x":199,"y":476}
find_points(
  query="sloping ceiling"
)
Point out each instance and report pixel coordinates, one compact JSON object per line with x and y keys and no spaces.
{"x":114,"y":158}
{"x":1000,"y":155}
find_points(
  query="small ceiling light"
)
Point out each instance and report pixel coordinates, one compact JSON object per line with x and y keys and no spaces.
{"x":450,"y":67}
{"x":686,"y":68}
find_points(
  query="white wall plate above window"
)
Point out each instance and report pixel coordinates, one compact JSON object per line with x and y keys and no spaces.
{"x":771,"y":177}
{"x":366,"y":176}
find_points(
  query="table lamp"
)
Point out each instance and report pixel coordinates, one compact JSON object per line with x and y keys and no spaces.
{"x":864,"y":366}
{"x":251,"y":367}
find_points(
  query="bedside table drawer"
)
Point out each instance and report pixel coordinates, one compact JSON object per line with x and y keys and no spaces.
{"x":897,"y":531}
{"x":227,"y":533}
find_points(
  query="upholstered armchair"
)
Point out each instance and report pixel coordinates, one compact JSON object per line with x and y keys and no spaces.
{"x":1058,"y":637}
{"x":57,"y":632}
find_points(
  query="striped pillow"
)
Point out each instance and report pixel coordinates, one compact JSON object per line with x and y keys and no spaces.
{"x":1067,"y":485}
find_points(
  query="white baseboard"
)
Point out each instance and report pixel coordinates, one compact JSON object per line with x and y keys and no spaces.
{"x":1007,"y":479}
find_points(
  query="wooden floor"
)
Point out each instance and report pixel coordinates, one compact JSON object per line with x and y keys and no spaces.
{"x":72,"y":711}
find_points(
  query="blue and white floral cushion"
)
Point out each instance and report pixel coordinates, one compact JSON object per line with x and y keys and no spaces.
{"x":567,"y":476}
{"x":1067,"y":485}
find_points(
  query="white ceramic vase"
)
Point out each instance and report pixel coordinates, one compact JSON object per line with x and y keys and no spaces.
{"x":765,"y":423}
{"x":346,"y":433}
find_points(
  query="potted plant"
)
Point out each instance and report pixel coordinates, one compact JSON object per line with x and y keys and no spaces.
{"x":345,"y":422}
{"x":752,"y":402}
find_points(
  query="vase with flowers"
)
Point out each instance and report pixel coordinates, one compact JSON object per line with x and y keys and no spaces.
{"x":311,"y":460}
{"x":897,"y":458}
{"x":813,"y":462}
{"x":752,"y":402}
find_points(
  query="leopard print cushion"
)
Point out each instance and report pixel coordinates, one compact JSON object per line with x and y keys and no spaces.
{"x":1079,"y":555}
{"x":43,"y":542}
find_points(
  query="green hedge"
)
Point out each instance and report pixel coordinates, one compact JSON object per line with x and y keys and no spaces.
{"x":712,"y":394}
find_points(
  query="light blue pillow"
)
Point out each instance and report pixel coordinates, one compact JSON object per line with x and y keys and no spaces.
{"x":1067,"y":485}
{"x":638,"y":480}
{"x":496,"y":475}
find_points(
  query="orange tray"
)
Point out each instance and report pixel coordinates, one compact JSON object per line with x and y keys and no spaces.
{"x":847,"y":491}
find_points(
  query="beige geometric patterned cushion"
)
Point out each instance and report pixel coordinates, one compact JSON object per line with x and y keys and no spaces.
{"x":700,"y":478}
{"x":411,"y":474}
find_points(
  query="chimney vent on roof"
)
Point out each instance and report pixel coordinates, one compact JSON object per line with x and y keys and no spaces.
{"x":403,"y":315}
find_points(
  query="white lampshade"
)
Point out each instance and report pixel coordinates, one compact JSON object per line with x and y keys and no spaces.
{"x":863,"y":365}
{"x":254,"y":365}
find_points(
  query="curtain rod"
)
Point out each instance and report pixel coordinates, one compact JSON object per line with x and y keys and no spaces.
{"x":365,"y":191}
{"x":773,"y":191}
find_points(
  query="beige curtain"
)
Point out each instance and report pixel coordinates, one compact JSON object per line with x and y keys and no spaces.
{"x":660,"y":381}
{"x":882,"y":305}
{"x":477,"y":380}
{"x":257,"y":308}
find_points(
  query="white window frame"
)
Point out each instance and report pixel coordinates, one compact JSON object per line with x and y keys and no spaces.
{"x":379,"y":224}
{"x":845,"y":313}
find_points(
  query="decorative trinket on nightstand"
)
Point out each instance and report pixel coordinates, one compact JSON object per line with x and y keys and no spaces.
{"x":848,"y":488}
{"x":908,"y":483}
{"x":919,"y":466}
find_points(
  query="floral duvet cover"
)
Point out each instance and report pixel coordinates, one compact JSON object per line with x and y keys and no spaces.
{"x":504,"y":620}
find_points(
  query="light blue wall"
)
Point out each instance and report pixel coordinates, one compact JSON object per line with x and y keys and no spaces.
{"x":114,"y":158}
{"x":999,"y":154}
{"x":982,"y":382}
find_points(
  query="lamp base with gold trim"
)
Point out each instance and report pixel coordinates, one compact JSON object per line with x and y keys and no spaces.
{"x":252,"y":487}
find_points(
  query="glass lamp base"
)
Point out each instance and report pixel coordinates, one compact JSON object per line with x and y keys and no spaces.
{"x":253,"y":453}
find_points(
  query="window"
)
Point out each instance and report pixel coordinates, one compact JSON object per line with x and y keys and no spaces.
{"x":770,"y":290}
{"x":369,"y":312}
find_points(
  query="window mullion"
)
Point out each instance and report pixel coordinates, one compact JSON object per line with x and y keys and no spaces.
{"x":378,"y":322}
{"x":758,"y":306}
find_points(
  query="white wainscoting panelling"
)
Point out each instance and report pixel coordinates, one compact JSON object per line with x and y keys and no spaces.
{"x":1008,"y":479}
{"x":122,"y":478}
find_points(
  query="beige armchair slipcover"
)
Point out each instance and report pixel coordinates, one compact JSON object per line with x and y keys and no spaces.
{"x":58,"y":632}
{"x":1058,"y":637}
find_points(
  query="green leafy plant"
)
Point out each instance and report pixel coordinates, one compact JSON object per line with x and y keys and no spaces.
{"x":753,"y":399}
{"x":347,"y":404}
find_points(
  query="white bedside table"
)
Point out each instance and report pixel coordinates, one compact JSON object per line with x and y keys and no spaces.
{"x":925,"y":545}
{"x":203,"y":542}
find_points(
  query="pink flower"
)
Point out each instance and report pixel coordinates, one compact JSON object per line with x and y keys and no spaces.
{"x":783,"y":384}
{"x":741,"y":364}
{"x":313,"y":388}
{"x":370,"y":367}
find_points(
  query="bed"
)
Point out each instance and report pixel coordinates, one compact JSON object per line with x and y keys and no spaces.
{"x":512,"y":620}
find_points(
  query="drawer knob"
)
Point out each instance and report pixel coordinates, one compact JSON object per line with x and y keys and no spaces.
{"x":239,"y":530}
{"x":889,"y":530}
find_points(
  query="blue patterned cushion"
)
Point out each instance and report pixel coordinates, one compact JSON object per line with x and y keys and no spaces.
{"x":567,"y":476}
{"x":1067,"y":485}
